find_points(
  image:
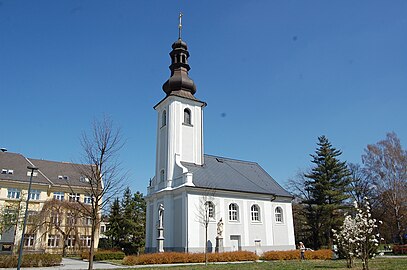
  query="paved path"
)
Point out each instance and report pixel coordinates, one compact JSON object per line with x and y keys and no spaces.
{"x":72,"y":264}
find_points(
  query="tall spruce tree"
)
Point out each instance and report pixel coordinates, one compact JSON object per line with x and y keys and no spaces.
{"x":133,"y":221}
{"x":140,"y":220}
{"x":127,"y":218}
{"x":327,"y":185}
{"x":115,"y":223}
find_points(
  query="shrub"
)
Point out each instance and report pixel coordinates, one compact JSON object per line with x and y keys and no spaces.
{"x":400,"y":249}
{"x":176,"y":257}
{"x":31,"y":260}
{"x":103,"y":255}
{"x":323,"y":254}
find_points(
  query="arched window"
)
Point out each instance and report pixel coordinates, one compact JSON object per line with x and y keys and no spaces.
{"x":187,"y":117}
{"x":210,"y":208}
{"x":162,"y":176}
{"x":255,"y":212}
{"x":278,"y":212}
{"x":164,"y":119}
{"x":233,"y":212}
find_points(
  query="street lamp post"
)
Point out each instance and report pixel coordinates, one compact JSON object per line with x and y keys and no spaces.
{"x":20,"y":254}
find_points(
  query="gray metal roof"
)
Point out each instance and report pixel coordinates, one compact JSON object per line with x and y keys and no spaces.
{"x":50,"y":172}
{"x":235,"y":175}
{"x":18,"y":163}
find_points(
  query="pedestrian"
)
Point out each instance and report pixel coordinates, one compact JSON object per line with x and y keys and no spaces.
{"x":302,"y":250}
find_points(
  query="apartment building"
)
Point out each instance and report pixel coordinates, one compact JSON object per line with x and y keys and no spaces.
{"x":57,"y":220}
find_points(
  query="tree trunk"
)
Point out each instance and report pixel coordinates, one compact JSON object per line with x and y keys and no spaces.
{"x":92,"y":237}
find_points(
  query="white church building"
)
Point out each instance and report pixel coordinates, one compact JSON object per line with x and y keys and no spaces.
{"x":191,"y":188}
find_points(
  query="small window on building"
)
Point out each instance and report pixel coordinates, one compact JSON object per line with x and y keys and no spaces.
{"x":255,"y":212}
{"x":54,"y":219}
{"x":233,"y":212}
{"x":35,"y":194}
{"x":162,"y":174}
{"x":87,"y":199}
{"x":70,"y":219}
{"x":53,"y":240}
{"x":84,"y":179}
{"x":59,"y":195}
{"x":35,"y":173}
{"x":31,"y":215}
{"x":278,"y":212}
{"x":102,"y":228}
{"x":85,"y":240}
{"x":187,"y":117}
{"x":87,"y":221}
{"x":164,"y":119}
{"x":70,"y":241}
{"x":13,"y":193}
{"x":11,"y":214}
{"x":210,"y":208}
{"x":29,"y":240}
{"x":74,"y":197}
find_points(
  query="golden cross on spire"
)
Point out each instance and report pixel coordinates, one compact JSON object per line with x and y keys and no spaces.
{"x":180,"y":25}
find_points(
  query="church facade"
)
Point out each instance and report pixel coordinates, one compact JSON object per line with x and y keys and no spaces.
{"x":197,"y":199}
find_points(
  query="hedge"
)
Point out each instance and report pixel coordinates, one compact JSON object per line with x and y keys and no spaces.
{"x":31,"y":260}
{"x":104,"y":255}
{"x":323,"y":254}
{"x":175,"y":257}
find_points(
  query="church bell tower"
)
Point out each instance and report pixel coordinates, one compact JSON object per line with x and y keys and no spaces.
{"x":179,"y":123}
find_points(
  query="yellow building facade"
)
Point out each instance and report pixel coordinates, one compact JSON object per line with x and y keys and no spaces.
{"x":58,"y":219}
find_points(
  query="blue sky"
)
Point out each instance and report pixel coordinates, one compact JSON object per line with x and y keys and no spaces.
{"x":275,"y":74}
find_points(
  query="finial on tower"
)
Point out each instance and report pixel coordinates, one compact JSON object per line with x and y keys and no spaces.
{"x":180,"y":25}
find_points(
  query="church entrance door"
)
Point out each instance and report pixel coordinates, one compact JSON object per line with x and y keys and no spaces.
{"x":235,"y":242}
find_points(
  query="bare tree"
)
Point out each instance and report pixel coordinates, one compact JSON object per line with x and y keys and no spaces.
{"x":103,"y":175}
{"x":206,"y":213}
{"x":297,"y":186}
{"x":61,"y":216}
{"x":361,"y":187}
{"x":386,"y":165}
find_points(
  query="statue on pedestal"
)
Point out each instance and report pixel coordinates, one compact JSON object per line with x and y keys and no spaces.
{"x":220,"y":228}
{"x":160,"y":228}
{"x":219,"y":237}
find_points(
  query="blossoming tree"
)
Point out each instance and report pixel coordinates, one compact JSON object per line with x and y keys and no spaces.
{"x":357,"y":237}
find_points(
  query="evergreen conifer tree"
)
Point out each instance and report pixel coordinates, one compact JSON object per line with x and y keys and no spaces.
{"x":327,"y":185}
{"x":133,"y":221}
{"x":115,"y":222}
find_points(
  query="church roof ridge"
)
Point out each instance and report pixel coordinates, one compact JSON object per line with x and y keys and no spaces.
{"x":232,"y":159}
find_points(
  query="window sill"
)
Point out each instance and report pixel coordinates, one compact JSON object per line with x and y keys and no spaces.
{"x":188,"y":125}
{"x":234,"y":221}
{"x":256,"y":222}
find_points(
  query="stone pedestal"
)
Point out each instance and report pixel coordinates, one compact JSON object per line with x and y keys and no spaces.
{"x":219,"y":244}
{"x":160,"y":239}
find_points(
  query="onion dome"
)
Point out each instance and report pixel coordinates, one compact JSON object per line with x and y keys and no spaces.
{"x":179,"y":83}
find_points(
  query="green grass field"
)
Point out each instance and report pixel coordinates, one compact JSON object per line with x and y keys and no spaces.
{"x":376,"y":264}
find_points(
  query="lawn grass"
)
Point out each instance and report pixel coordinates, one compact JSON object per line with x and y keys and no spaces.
{"x":376,"y":264}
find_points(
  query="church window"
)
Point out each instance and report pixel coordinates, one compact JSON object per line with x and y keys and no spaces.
{"x":279,"y":215}
{"x":164,"y":119}
{"x":233,"y":212}
{"x":255,"y":212}
{"x":187,"y":117}
{"x":210,"y":208}
{"x":162,"y":176}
